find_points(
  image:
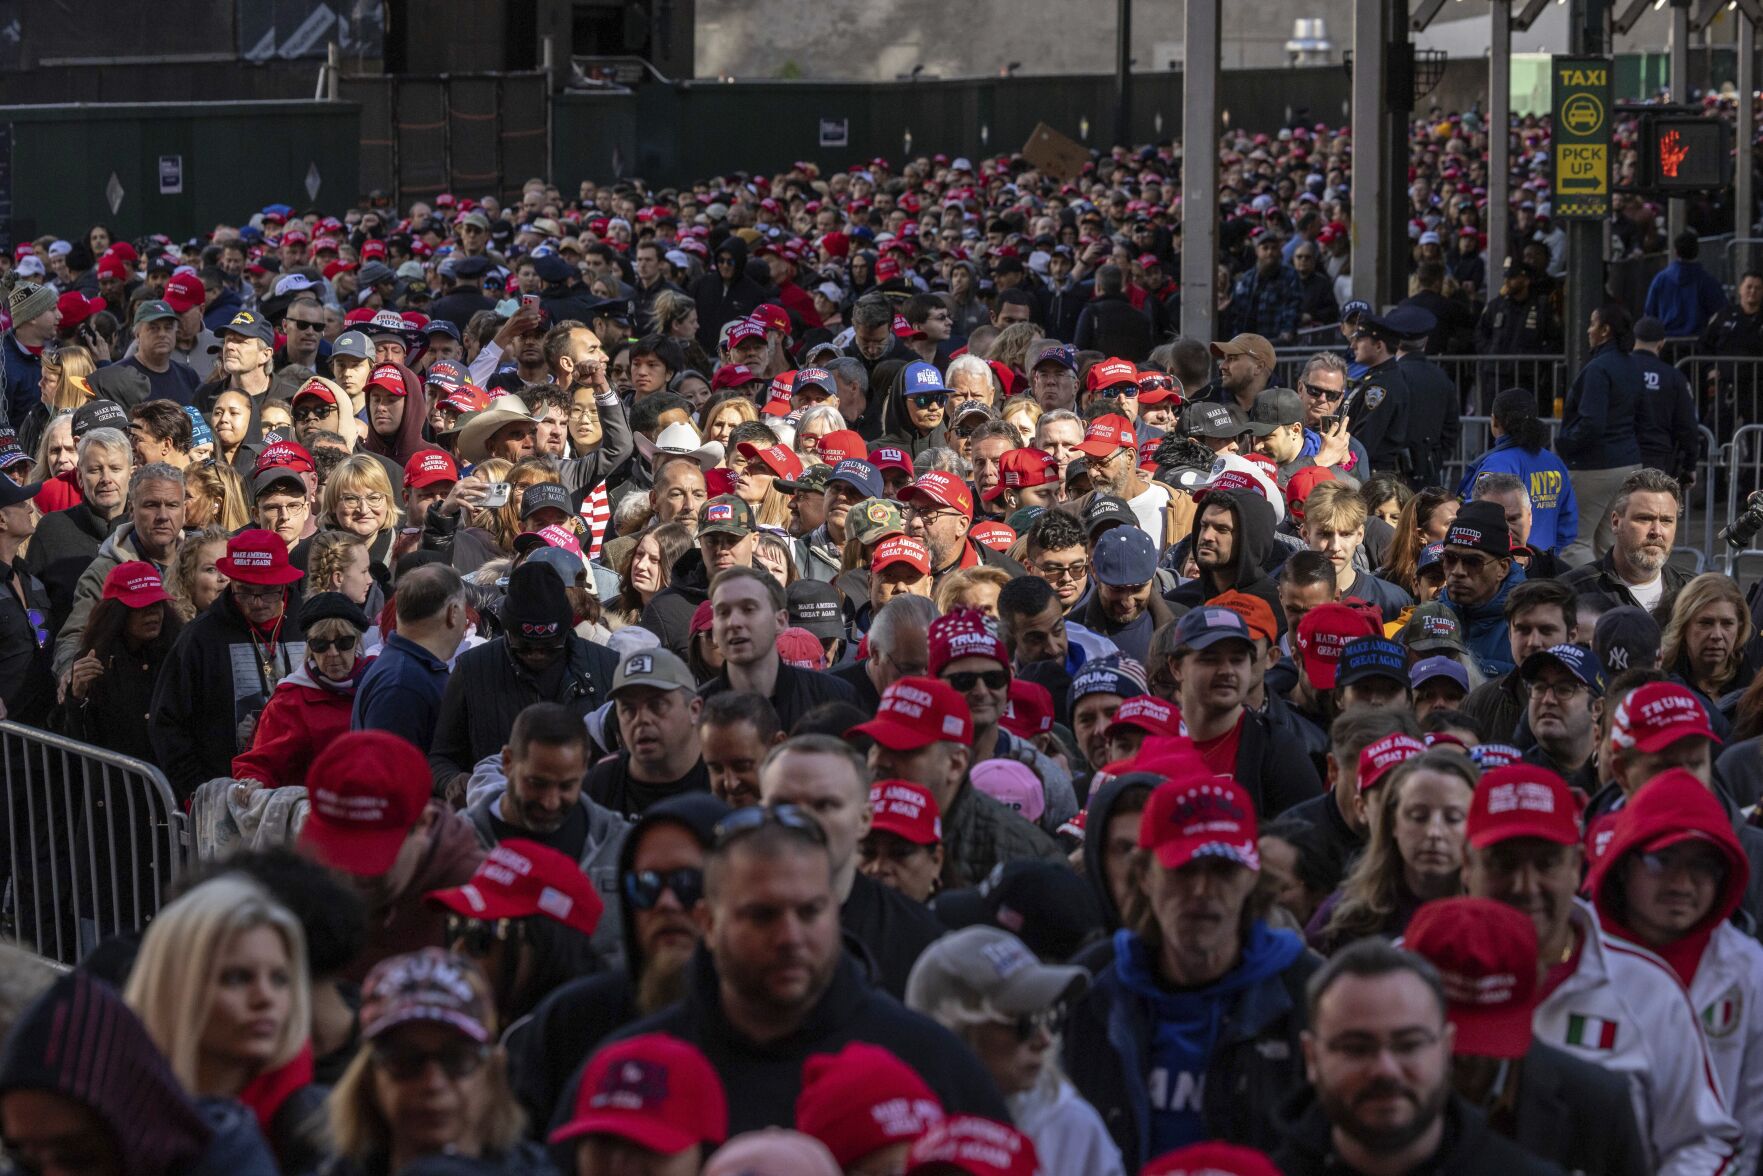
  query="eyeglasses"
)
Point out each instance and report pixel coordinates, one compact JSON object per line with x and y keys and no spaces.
{"x":322,"y":645}
{"x":257,"y":592}
{"x":583,"y":412}
{"x":744,"y":821}
{"x":927,"y":517}
{"x":1071,"y":571}
{"x":644,"y":888}
{"x":1563,"y":689}
{"x":965,"y":680}
{"x":373,"y":499}
{"x":923,"y":400}
{"x":1703,"y":867}
{"x":1329,"y":394}
{"x":457,"y":1060}
{"x":304,"y":324}
{"x":302,"y":415}
{"x":1115,"y":391}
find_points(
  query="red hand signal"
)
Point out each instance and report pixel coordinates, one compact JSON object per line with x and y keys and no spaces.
{"x":1670,"y":154}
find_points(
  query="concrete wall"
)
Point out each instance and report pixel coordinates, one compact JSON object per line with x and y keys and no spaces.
{"x":873,"y":40}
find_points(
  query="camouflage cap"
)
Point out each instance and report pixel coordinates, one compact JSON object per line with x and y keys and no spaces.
{"x":874,"y":519}
{"x":813,"y":479}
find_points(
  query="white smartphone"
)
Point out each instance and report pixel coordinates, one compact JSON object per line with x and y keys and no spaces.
{"x":495,"y":495}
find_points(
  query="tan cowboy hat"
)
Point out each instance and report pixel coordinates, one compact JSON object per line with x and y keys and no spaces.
{"x":476,"y":430}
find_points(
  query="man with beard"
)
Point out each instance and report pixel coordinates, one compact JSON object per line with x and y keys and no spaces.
{"x":544,"y":762}
{"x":1245,"y":364}
{"x":1637,"y":568}
{"x":1112,"y":451}
{"x":653,"y":695}
{"x":1378,"y":1053}
{"x":827,"y":778}
{"x":1126,"y":607}
{"x":773,"y":985}
{"x":1603,"y":999}
{"x":1566,"y":684}
{"x":1233,"y":533}
{"x":660,"y":881}
{"x":1190,"y":1031}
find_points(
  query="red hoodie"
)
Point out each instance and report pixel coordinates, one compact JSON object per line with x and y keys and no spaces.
{"x":1672,"y":807}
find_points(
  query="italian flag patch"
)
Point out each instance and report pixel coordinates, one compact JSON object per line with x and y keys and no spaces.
{"x":1590,"y":1032}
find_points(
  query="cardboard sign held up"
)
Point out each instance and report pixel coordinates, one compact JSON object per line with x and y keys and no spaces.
{"x":1059,"y":156}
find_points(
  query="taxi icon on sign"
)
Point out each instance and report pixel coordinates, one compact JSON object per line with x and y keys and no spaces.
{"x":1583,"y":114}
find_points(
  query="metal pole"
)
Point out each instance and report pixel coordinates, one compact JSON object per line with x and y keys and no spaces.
{"x":1199,"y":169}
{"x":1123,"y":75}
{"x":1588,"y":30}
{"x":1745,"y":131}
{"x":1675,"y":213}
{"x":1370,"y":177}
{"x":333,"y":67}
{"x":1499,"y":142}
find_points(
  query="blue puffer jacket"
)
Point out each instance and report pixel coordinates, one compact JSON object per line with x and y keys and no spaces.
{"x":1484,"y":627}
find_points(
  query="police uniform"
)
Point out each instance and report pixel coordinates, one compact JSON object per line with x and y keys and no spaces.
{"x":1380,"y":412}
{"x":1434,"y":404}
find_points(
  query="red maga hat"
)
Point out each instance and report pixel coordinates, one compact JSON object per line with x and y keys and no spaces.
{"x":135,"y":583}
{"x":1486,"y":955}
{"x":368,"y":790}
{"x":917,"y":712}
{"x":653,"y":1090}
{"x":520,"y":878}
{"x":906,"y":810}
{"x":1187,"y":819}
{"x":1522,"y":800}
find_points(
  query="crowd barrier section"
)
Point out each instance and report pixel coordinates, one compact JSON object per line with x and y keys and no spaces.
{"x":1744,"y":475}
{"x":89,"y":841}
{"x":1728,"y":389}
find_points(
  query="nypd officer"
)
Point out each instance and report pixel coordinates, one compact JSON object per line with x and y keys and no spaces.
{"x":1379,"y":413}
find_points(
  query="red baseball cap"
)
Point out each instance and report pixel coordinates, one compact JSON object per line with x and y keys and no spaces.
{"x":1211,"y":1159}
{"x":780,"y":461}
{"x":1207,"y":817}
{"x":1028,"y":709}
{"x":901,"y":549}
{"x":975,"y":1146}
{"x":316,"y":386}
{"x":1147,"y":713}
{"x":888,"y":457}
{"x":886,"y":270}
{"x":1522,"y":800}
{"x":1156,"y":387}
{"x":427,"y":467}
{"x":1023,"y":467}
{"x":770,"y":315}
{"x":135,"y":583}
{"x":76,"y":308}
{"x":963,"y":633}
{"x":1486,"y":955}
{"x":373,"y":248}
{"x":390,"y":377}
{"x":917,"y":712}
{"x":522,"y":878}
{"x":841,"y":444}
{"x":745,"y":330}
{"x":1322,"y":634}
{"x":258,"y":557}
{"x":863,"y":1099}
{"x":1377,"y":758}
{"x":1299,"y":485}
{"x":993,"y":534}
{"x":800,"y":648}
{"x":906,"y":810}
{"x":332,"y":269}
{"x":290,"y":455}
{"x":185,"y":292}
{"x":1256,"y":613}
{"x":732,"y":375}
{"x":108,"y":267}
{"x":942,"y":488}
{"x":1106,"y":434}
{"x":653,"y":1090}
{"x":1110,"y":372}
{"x":1657,"y":715}
{"x":368,"y":789}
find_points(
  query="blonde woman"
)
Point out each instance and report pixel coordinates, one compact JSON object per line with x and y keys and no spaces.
{"x":1023,"y":411}
{"x":1707,"y":641}
{"x":358,"y":498}
{"x":1012,"y":345}
{"x":491,"y":533}
{"x":430,"y":1079}
{"x":214,"y":496}
{"x":194,"y":580}
{"x":64,"y":387}
{"x":221,"y":986}
{"x":723,"y":413}
{"x":975,"y":588}
{"x":339,"y":561}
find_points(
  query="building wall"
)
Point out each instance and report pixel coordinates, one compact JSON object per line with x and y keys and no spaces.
{"x":874,"y":40}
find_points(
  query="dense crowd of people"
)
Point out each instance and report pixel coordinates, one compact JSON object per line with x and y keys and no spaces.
{"x":812,"y":674}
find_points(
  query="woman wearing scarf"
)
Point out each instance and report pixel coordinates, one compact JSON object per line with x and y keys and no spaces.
{"x":310,"y":707}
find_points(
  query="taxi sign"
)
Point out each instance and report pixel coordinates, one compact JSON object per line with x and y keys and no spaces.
{"x":1582,"y":123}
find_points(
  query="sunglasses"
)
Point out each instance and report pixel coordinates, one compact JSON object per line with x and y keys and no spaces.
{"x":478,"y":936}
{"x":1164,"y":383}
{"x":1114,"y":391}
{"x":1321,"y":393}
{"x":302,"y":415}
{"x":457,"y":1061}
{"x":966,"y":680}
{"x":303,"y":324}
{"x":1032,"y":1023}
{"x":644,"y":888}
{"x":929,"y":399}
{"x":789,"y":817}
{"x":322,"y":645}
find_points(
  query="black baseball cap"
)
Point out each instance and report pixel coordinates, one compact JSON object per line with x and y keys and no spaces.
{"x":814,"y":605}
{"x":1045,"y":904}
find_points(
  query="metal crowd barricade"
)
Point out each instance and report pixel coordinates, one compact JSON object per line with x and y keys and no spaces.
{"x":90,"y":840}
{"x":1727,"y":389}
{"x":1706,"y":468}
{"x":1744,"y":475}
{"x":1479,"y":378}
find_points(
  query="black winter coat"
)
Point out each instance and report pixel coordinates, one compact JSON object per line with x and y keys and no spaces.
{"x":488,"y":688}
{"x":1112,"y":325}
{"x":27,"y":687}
{"x":718,"y":302}
{"x":1469,"y":1147}
{"x":211,"y":685}
{"x":65,"y":543}
{"x":1577,"y":1114}
{"x":669,"y":614}
{"x":797,"y":691}
{"x":979,"y":832}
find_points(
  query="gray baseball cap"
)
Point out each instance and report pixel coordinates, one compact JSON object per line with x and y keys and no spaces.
{"x":153,"y":310}
{"x":988,"y":966}
{"x":1214,"y":420}
{"x":352,"y":345}
{"x":1274,"y":408}
{"x":655,"y":668}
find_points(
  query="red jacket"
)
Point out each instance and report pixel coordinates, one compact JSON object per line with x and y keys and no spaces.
{"x":302,"y":717}
{"x":60,"y":492}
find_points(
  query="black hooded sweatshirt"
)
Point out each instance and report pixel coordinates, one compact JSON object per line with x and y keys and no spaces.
{"x":669,"y":614}
{"x":1253,"y":516}
{"x":546,"y":1048}
{"x":720,"y":301}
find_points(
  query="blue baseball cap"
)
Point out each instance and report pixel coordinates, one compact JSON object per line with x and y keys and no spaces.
{"x":443,"y":326}
{"x":200,"y":433}
{"x":1356,"y":307}
{"x":1431,"y":555}
{"x":1578,"y":660}
{"x":1124,"y":557}
{"x":1372,"y":657}
{"x":1115,"y":674}
{"x":1428,"y":668}
{"x":861,"y":475}
{"x":921,"y":378}
{"x":1207,"y":626}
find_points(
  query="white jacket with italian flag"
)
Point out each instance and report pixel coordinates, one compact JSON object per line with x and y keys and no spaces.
{"x":1624,"y":1009}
